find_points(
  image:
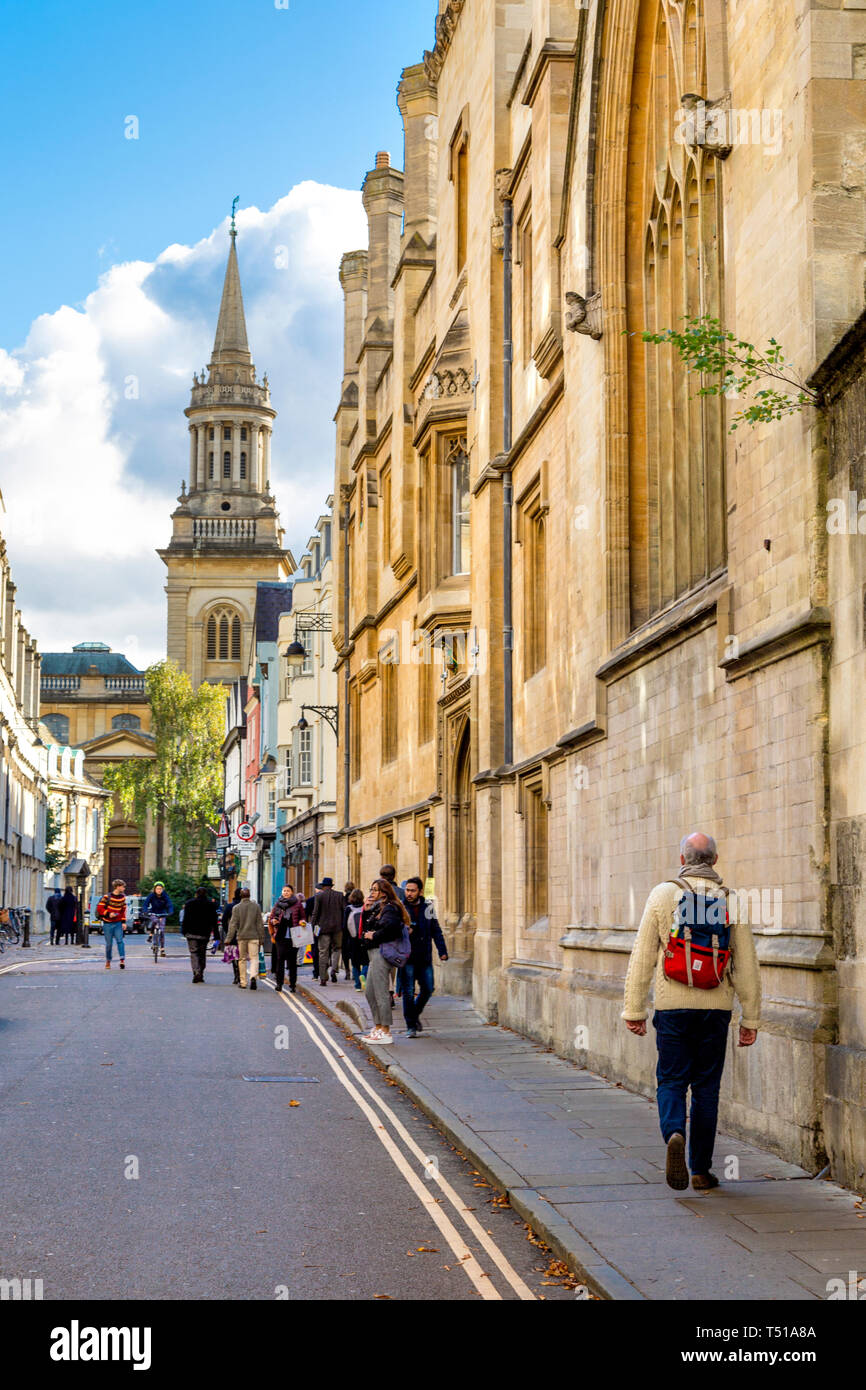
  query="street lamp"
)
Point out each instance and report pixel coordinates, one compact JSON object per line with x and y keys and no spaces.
{"x":306,"y":621}
{"x":329,"y":712}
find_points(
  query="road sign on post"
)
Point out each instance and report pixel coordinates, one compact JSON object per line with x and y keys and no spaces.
{"x":246,"y":832}
{"x":224,"y":834}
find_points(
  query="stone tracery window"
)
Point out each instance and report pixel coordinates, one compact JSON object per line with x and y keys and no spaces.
{"x":223,"y":636}
{"x":676,"y":464}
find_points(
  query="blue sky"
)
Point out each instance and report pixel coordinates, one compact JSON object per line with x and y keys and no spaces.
{"x":115,"y":251}
{"x":232,"y":96}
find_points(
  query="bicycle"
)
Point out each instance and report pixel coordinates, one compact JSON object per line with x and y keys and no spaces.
{"x":156,"y":926}
{"x":10,"y":928}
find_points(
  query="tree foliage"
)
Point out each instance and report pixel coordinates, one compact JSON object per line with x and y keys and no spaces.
{"x":180,"y":887}
{"x":55,"y":859}
{"x":182,"y":784}
{"x":735,"y":366}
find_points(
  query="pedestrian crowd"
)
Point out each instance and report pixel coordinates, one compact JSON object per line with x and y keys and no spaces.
{"x":689,"y":950}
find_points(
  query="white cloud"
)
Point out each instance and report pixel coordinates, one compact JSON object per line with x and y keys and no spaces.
{"x":93,"y":439}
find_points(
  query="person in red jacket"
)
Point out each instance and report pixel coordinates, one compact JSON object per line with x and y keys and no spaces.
{"x":111,"y":911}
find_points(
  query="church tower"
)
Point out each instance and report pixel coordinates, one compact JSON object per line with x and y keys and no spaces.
{"x":226,"y":534}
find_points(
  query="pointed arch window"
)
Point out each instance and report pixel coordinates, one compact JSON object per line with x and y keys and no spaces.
{"x":236,"y":638}
{"x":676,"y":490}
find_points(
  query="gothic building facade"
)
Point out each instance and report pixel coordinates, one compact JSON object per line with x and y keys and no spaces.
{"x":581,"y":616}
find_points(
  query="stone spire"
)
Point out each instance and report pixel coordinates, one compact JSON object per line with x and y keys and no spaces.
{"x":230,"y":344}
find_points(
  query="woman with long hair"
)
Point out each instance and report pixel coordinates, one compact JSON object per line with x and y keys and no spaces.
{"x":382,"y":919}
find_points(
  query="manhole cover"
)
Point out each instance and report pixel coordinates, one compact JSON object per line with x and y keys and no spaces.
{"x":295,"y":1080}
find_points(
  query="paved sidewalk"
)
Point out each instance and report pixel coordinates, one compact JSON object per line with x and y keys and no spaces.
{"x":582,"y":1161}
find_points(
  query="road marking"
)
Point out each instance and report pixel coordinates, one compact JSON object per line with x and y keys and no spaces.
{"x":483,"y":1283}
{"x":488,"y":1244}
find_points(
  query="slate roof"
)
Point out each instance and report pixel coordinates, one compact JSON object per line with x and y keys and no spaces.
{"x":271,"y":601}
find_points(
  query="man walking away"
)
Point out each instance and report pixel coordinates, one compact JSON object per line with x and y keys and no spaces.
{"x":389,"y":873}
{"x":247,"y":928}
{"x":698,"y":961}
{"x":328,"y":917}
{"x":54,"y":908}
{"x":200,"y":917}
{"x":111,"y":911}
{"x":286,"y":913}
{"x":424,"y":930}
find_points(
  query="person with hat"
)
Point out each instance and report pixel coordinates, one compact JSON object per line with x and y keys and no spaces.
{"x":327,"y":924}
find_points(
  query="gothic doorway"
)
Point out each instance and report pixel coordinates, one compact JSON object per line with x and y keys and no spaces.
{"x":463,"y":841}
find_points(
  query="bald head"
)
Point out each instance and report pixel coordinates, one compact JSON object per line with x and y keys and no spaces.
{"x":698,"y":848}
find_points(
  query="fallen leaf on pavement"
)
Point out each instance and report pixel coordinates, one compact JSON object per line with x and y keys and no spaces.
{"x":427,"y":1250}
{"x":294,"y":1102}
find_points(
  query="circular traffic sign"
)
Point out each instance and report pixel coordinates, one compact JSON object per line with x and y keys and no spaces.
{"x":246,"y":832}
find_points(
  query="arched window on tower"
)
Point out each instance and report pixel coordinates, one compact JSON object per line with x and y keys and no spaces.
{"x":243,"y":465}
{"x":223,"y":635}
{"x":227,"y":464}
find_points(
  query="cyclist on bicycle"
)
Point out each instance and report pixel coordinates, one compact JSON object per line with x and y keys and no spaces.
{"x":159,"y":907}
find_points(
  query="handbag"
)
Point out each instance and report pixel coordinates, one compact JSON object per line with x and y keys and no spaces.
{"x":230,"y":954}
{"x":302,"y":937}
{"x":397,"y":952}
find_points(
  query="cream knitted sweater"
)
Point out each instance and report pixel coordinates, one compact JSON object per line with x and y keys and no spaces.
{"x":647,"y":963}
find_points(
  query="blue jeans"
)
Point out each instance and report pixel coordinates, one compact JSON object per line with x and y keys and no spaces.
{"x":413,"y":1006}
{"x":691,"y":1046}
{"x":113,"y":931}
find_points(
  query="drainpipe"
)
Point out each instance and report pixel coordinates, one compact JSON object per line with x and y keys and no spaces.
{"x":347,"y":730}
{"x":507,"y":489}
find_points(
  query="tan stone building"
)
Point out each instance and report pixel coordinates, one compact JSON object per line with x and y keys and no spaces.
{"x":82,"y":809}
{"x":226,"y":533}
{"x":23,"y":785}
{"x":635,"y":626}
{"x":95,"y":700}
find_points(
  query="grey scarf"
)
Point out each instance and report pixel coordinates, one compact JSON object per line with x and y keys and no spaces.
{"x":699,"y":871}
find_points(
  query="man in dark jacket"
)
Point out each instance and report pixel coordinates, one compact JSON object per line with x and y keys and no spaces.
{"x":286,"y":913}
{"x":423,"y":933}
{"x":69,"y":918}
{"x":328,"y":918}
{"x":54,"y":908}
{"x":199,"y":920}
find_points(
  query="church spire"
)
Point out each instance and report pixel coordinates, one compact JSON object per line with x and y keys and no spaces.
{"x":230,"y":344}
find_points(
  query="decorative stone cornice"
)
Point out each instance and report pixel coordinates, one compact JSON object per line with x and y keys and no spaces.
{"x":446,"y":25}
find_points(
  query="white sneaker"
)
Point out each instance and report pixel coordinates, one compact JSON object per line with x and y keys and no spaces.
{"x":384,"y":1039}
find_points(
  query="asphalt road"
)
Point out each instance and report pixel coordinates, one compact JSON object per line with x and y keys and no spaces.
{"x":138,"y":1163}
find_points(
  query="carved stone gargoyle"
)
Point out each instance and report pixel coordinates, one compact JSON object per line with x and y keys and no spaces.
{"x":583,"y":315}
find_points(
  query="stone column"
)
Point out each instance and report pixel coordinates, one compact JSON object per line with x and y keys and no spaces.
{"x":266,"y":457}
{"x":254,"y":457}
{"x":201,"y":456}
{"x":192,"y":459}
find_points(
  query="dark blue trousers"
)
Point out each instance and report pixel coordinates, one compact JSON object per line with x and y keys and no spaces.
{"x":691,"y":1045}
{"x":413,"y":1005}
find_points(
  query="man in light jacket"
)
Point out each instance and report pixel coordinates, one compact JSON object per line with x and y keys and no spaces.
{"x":691,"y":1024}
{"x":327,"y":916}
{"x":247,"y":928}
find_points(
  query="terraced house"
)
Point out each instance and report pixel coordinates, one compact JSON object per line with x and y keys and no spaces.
{"x":581,"y":616}
{"x":23,"y":783}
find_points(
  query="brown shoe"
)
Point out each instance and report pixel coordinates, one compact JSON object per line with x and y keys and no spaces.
{"x":676,"y":1172}
{"x":704,"y":1182}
